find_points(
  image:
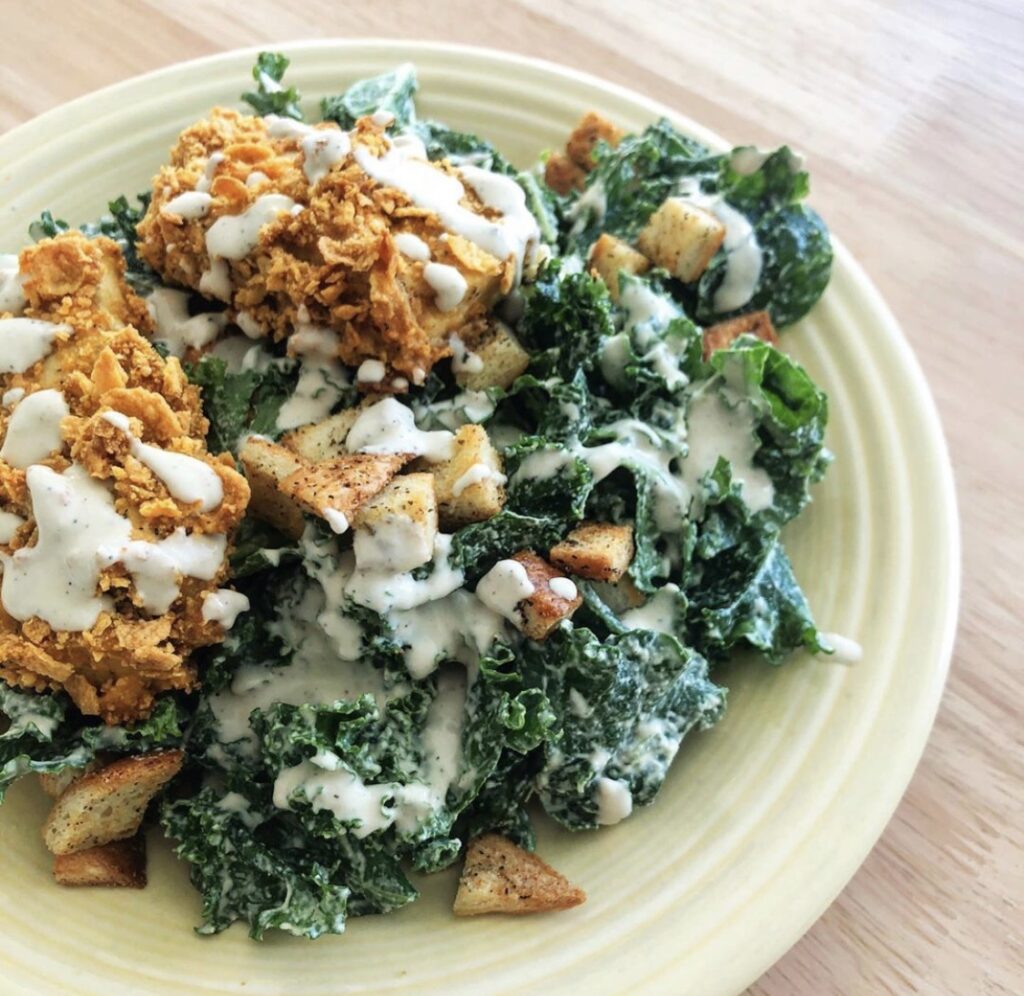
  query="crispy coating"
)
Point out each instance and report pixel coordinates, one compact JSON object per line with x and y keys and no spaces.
{"x":114,"y":669}
{"x":334,"y":263}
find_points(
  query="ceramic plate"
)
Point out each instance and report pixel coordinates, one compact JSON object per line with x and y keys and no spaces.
{"x":763,"y":819}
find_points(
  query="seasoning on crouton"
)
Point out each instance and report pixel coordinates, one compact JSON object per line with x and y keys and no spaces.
{"x":119,"y":864}
{"x":561,"y":174}
{"x":554,"y":596}
{"x":610,"y":256}
{"x":499,"y":877}
{"x":682,"y":238}
{"x":55,"y":783}
{"x":266,"y":465}
{"x":757,"y":323}
{"x":395,"y":530}
{"x":592,"y":128}
{"x":599,"y":551}
{"x":501,"y":358}
{"x":335,"y":489}
{"x":469,"y":486}
{"x":108,"y":804}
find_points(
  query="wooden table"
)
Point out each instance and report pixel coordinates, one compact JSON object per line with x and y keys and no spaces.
{"x":913,"y":116}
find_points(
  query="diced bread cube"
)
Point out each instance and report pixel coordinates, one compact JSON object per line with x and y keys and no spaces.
{"x":600,"y":551}
{"x":620,"y":596}
{"x":682,"y":238}
{"x":336,"y":489}
{"x":56,"y":783}
{"x":592,"y":128}
{"x":561,"y":174}
{"x":266,"y":465}
{"x":469,"y":486}
{"x":503,"y":358}
{"x":542,"y":611}
{"x":119,"y":864}
{"x":610,"y":256}
{"x":108,"y":804}
{"x":395,"y":530}
{"x":324,"y":440}
{"x":757,"y":323}
{"x":499,"y":877}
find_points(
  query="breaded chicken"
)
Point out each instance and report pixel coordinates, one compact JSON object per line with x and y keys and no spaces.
{"x":102,"y":439}
{"x":344,"y":252}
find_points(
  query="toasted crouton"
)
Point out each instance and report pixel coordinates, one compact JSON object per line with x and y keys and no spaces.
{"x":543,"y":610}
{"x":600,"y":551}
{"x":324,"y":440}
{"x":266,"y":466}
{"x":119,"y":864}
{"x":469,"y":486}
{"x":499,"y":877}
{"x":610,"y":256}
{"x":561,"y":174}
{"x":55,"y":784}
{"x":592,"y":128}
{"x":757,"y":323}
{"x":502,"y":358}
{"x":682,"y":238}
{"x":620,"y":596}
{"x":335,"y":489}
{"x":108,"y":804}
{"x":395,"y":530}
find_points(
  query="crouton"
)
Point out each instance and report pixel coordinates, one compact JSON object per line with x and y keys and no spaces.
{"x":55,"y":784}
{"x":543,"y":610}
{"x":757,"y":323}
{"x":266,"y":465}
{"x":395,"y":530}
{"x":324,"y":440}
{"x":682,"y":238}
{"x":599,"y":551}
{"x":108,"y":804}
{"x":620,"y":596}
{"x":119,"y":864}
{"x":610,"y":256}
{"x":499,"y":877}
{"x":501,"y":357}
{"x":335,"y":489}
{"x":470,"y":486}
{"x":561,"y":174}
{"x":592,"y":128}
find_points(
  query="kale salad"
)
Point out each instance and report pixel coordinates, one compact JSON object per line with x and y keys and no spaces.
{"x":547,"y":520}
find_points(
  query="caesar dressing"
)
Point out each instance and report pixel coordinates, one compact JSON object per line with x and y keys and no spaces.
{"x":503,"y":587}
{"x":178,"y":330}
{"x":216,"y":281}
{"x":322,"y":377}
{"x":188,"y":206}
{"x":389,"y":427}
{"x":464,"y":360}
{"x":412,"y":246}
{"x":224,"y":606}
{"x":9,"y":525}
{"x":448,"y":284}
{"x":33,"y":430}
{"x":25,"y":341}
{"x":395,"y":543}
{"x":156,"y":568}
{"x":234,"y":236}
{"x":659,"y":613}
{"x":478,"y":473}
{"x":12,"y":294}
{"x":563,"y":588}
{"x":845,"y":650}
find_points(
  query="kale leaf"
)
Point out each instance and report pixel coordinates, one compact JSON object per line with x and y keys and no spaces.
{"x":392,"y":93}
{"x":270,"y":95}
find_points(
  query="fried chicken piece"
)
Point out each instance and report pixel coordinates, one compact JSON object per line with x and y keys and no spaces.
{"x":326,"y":253}
{"x":128,"y":460}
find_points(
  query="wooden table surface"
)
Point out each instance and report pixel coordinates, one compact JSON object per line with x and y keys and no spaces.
{"x":912,"y":114}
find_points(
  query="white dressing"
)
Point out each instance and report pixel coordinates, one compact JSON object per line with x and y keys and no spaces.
{"x":234,"y":236}
{"x":25,"y":341}
{"x":614,"y":800}
{"x":563,"y":588}
{"x":464,"y":360}
{"x":188,"y":206}
{"x":178,"y":330}
{"x":448,"y":284}
{"x":658,"y":613}
{"x":478,"y":473}
{"x":33,"y":430}
{"x":371,"y":372}
{"x":224,"y":606}
{"x":389,"y":427}
{"x":503,"y":587}
{"x":9,"y":525}
{"x":412,"y":246}
{"x":845,"y":650}
{"x":12,"y":293}
{"x":396,"y":543}
{"x":216,"y":281}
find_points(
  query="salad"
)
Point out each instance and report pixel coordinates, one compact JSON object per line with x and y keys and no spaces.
{"x":401,"y":496}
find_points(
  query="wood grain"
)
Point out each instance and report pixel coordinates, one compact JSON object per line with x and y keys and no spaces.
{"x":912,"y":116}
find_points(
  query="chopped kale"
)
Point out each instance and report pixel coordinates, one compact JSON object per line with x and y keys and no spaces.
{"x":270,"y":95}
{"x":390,"y":93}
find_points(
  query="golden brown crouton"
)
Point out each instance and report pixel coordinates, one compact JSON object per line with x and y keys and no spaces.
{"x":600,"y":551}
{"x":544,"y":609}
{"x":502,"y":358}
{"x":119,"y":864}
{"x":682,"y":238}
{"x":324,"y":440}
{"x":469,"y":486}
{"x":395,"y":530}
{"x":561,"y":174}
{"x":591,"y":129}
{"x":499,"y":877}
{"x":620,"y":596}
{"x":757,"y":323}
{"x":610,"y":256}
{"x":54,"y":785}
{"x":267,"y":465}
{"x":108,"y":804}
{"x":341,"y":485}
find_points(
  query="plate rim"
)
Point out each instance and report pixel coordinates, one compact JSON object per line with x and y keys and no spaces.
{"x":922,"y":406}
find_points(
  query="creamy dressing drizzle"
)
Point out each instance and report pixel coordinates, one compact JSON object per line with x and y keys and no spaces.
{"x":234,"y":236}
{"x":389,"y":427}
{"x":33,"y":431}
{"x":322,"y":377}
{"x":464,"y":360}
{"x":503,"y":587}
{"x":25,"y":341}
{"x":478,"y":473}
{"x":9,"y":525}
{"x":12,"y":294}
{"x":395,"y":543}
{"x":175,"y":328}
{"x":845,"y":650}
{"x":658,"y":613}
{"x":188,"y":206}
{"x":448,"y":284}
{"x":412,"y":246}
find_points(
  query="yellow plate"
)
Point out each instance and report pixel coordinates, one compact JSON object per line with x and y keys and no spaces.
{"x":763,"y":820}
